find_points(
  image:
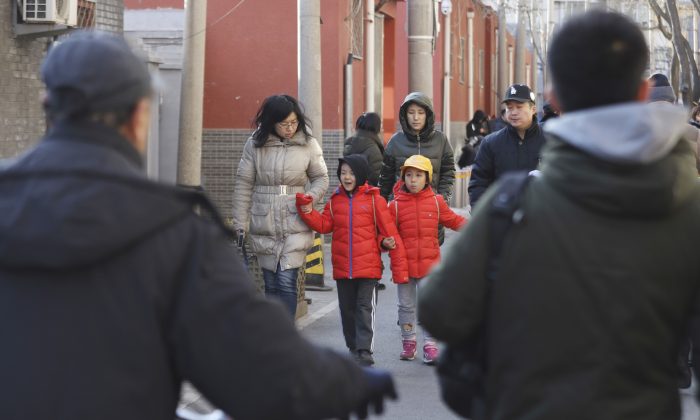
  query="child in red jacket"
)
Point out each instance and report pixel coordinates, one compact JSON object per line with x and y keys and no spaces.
{"x":358,"y":217}
{"x":418,"y":211}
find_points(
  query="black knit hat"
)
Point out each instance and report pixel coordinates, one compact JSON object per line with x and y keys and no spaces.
{"x":359,"y":166}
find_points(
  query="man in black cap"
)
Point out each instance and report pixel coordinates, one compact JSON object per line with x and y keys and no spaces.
{"x":513,"y":148}
{"x":113,"y":290}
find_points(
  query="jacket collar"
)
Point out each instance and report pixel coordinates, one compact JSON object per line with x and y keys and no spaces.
{"x":94,"y":134}
{"x":533,"y":131}
{"x":401,"y":193}
{"x":298,"y":139}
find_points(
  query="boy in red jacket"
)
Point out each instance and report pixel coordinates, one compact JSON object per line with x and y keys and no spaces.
{"x":418,"y":211}
{"x":361,"y":224}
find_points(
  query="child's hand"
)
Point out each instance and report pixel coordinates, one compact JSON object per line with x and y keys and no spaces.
{"x":389,"y":242}
{"x":305,"y":203}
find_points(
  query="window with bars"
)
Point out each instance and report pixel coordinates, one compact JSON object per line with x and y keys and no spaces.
{"x":86,"y":14}
{"x":357,"y":33}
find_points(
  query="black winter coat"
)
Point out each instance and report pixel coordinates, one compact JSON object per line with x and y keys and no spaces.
{"x":113,"y":291}
{"x":501,"y":152}
{"x":369,"y":144}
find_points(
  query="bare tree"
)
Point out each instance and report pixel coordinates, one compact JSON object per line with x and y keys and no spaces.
{"x":684,"y":69}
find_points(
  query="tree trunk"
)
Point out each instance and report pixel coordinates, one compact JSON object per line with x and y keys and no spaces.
{"x":686,"y":83}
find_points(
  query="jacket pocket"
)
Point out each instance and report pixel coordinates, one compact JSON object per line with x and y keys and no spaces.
{"x":294,"y":222}
{"x":261,"y":219}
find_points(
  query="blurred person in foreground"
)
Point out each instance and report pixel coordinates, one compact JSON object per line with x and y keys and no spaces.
{"x":113,"y":291}
{"x":597,"y":283}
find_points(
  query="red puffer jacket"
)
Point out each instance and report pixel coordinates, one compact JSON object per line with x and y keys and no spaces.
{"x":359,"y":223}
{"x":417,"y":216}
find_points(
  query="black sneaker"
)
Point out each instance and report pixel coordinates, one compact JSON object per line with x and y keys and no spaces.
{"x":364,"y":357}
{"x":381,"y":286}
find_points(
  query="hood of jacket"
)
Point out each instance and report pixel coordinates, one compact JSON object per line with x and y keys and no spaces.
{"x":636,"y":159}
{"x":79,"y":197}
{"x":424,"y":101}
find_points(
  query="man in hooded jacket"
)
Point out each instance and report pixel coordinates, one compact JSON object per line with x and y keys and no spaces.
{"x":598,"y":278}
{"x":113,"y":291}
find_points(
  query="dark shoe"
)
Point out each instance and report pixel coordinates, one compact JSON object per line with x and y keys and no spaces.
{"x":364,"y":357}
{"x":381,"y":286}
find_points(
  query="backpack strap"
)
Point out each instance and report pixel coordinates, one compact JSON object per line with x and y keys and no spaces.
{"x":505,"y":211}
{"x":330,"y":206}
{"x":438,"y":207}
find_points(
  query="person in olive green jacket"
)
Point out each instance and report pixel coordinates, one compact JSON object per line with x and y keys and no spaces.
{"x":598,"y":282}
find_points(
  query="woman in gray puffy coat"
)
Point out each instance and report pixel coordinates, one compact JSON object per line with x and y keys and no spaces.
{"x":279,"y":160}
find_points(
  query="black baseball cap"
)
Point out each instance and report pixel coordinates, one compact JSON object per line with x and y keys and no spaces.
{"x":94,"y":71}
{"x":519,"y":93}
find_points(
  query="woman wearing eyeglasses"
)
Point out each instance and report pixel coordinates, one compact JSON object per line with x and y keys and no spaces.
{"x":279,"y":160}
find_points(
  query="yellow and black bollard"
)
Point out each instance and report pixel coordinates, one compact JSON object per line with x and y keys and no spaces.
{"x":314,"y":266}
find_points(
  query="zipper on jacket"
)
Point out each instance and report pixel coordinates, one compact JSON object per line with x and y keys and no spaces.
{"x":350,"y":241}
{"x":418,"y":139}
{"x":415,"y":203}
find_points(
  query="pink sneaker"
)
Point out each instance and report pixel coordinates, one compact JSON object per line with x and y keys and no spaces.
{"x":409,"y":350}
{"x":430,"y":353}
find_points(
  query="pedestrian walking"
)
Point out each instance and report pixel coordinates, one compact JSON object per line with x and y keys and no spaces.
{"x":114,"y":290}
{"x":279,"y":160}
{"x":418,"y":136}
{"x":514,"y":148}
{"x":366,"y":142}
{"x":597,"y":281}
{"x":418,"y":212}
{"x":357,"y":216}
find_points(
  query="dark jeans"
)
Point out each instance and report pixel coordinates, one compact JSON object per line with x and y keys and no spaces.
{"x":282,"y":285}
{"x":357,"y":299}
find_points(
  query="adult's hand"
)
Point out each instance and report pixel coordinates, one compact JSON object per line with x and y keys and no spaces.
{"x":380,"y":385}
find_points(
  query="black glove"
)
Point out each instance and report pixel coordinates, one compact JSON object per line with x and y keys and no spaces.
{"x":380,"y":385}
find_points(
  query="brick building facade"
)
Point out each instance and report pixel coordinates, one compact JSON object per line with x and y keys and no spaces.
{"x":21,"y":90}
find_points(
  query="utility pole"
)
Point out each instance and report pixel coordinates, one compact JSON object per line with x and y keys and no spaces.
{"x":369,"y":56}
{"x":189,"y":161}
{"x":520,"y":45}
{"x":420,"y":46}
{"x":310,"y":63}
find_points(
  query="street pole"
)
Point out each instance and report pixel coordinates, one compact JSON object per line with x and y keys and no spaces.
{"x":369,"y":56}
{"x":420,"y":46}
{"x":310,"y":63}
{"x":189,"y":162}
{"x":470,"y":42}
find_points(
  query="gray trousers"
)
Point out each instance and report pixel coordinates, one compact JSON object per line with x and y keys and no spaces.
{"x":408,"y":297}
{"x":357,"y":299}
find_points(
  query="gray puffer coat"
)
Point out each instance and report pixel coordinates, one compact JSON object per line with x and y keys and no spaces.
{"x":264,"y":203}
{"x":429,"y":143}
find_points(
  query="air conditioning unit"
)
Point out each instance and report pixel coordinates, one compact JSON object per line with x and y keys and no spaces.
{"x":62,"y":12}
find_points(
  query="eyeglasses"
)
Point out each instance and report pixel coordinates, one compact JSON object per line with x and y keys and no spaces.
{"x":288,"y":124}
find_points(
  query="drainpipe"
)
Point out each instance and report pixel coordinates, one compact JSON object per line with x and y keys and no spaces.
{"x":369,"y":56}
{"x":446,"y":8}
{"x":470,"y":42}
{"x":348,"y":126}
